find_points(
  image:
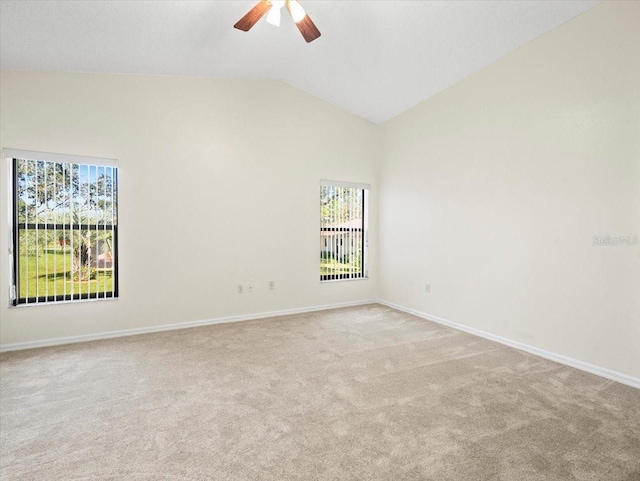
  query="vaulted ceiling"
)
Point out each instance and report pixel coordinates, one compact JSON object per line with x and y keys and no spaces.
{"x":374,"y":58}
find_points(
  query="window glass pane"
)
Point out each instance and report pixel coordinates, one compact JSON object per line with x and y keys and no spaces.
{"x":65,"y":237}
{"x":342,"y":232}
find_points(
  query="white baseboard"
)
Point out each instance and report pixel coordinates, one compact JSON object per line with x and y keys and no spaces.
{"x":170,"y":327}
{"x":568,"y":361}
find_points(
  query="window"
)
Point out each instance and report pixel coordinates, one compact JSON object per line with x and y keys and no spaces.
{"x":343,"y":230}
{"x":64,"y":229}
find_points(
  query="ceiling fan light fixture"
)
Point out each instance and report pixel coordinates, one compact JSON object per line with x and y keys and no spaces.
{"x":273,"y":17}
{"x":297,"y":12}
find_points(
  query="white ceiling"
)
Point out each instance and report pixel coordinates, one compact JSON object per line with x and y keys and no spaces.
{"x":374,"y":58}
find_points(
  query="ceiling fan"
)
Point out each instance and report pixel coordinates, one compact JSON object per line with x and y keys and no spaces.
{"x":306,"y":26}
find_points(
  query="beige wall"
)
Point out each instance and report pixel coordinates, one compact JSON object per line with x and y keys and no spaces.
{"x":219,"y":184}
{"x":493,"y":189}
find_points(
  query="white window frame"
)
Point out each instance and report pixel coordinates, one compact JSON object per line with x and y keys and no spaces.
{"x":9,"y":154}
{"x":364,"y":274}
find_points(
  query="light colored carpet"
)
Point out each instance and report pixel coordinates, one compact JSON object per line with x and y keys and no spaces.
{"x":366,"y":393}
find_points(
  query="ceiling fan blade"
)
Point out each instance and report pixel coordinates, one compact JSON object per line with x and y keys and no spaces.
{"x":306,"y":26}
{"x":308,"y":29}
{"x":253,"y":15}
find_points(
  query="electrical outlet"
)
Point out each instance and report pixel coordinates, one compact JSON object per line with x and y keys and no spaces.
{"x":427,"y":288}
{"x":250,"y":287}
{"x":240,"y":289}
{"x":272,"y":285}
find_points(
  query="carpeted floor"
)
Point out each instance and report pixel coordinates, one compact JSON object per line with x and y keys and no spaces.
{"x":366,"y":393}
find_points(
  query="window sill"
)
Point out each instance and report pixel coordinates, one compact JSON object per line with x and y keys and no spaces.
{"x":57,"y":303}
{"x":330,"y":281}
